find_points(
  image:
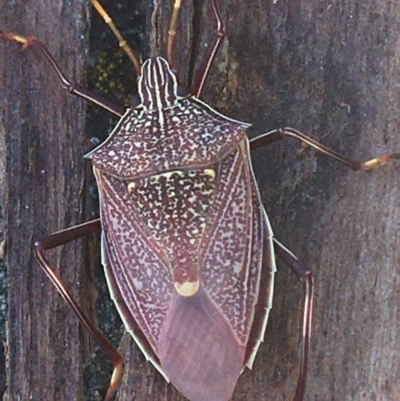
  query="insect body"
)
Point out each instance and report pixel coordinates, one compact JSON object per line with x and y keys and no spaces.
{"x":185,"y":260}
{"x":187,"y":248}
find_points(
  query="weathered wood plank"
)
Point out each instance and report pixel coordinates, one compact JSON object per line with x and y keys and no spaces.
{"x":330,"y":70}
{"x":45,"y":177}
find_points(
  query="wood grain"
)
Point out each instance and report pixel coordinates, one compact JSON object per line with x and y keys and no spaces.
{"x":327,"y":69}
{"x":45,"y":176}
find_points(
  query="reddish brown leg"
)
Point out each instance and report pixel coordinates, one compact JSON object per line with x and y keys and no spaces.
{"x":62,"y":238}
{"x":71,"y":87}
{"x":209,"y":56}
{"x":305,"y":275}
{"x":282,"y":133}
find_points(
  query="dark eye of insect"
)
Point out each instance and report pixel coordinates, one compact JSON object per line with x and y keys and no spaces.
{"x":183,"y":90}
{"x":135,"y":100}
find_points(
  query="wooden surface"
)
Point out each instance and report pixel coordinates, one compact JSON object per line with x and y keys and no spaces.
{"x":45,"y":174}
{"x":327,"y":69}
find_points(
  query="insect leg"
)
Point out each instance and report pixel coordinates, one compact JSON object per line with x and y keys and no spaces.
{"x":61,"y":238}
{"x":71,"y":87}
{"x":209,"y":56}
{"x":305,"y":275}
{"x":172,"y":34}
{"x":122,"y":42}
{"x":282,"y":133}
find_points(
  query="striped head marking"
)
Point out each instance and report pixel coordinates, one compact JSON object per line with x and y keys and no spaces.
{"x":157,"y":85}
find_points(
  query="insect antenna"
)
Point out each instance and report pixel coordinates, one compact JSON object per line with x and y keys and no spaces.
{"x":171,"y":47}
{"x":122,"y":42}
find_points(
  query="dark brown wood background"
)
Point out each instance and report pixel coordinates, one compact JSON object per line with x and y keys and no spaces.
{"x":45,"y":176}
{"x":330,"y":69}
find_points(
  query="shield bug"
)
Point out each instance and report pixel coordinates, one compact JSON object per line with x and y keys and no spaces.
{"x":182,"y":204}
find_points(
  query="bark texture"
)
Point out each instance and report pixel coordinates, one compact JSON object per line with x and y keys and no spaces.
{"x":327,"y":69}
{"x":44,"y":128}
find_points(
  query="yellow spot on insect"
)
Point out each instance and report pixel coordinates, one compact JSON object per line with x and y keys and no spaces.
{"x":210,"y":172}
{"x":131,"y":187}
{"x":169,"y":174}
{"x":187,"y":289}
